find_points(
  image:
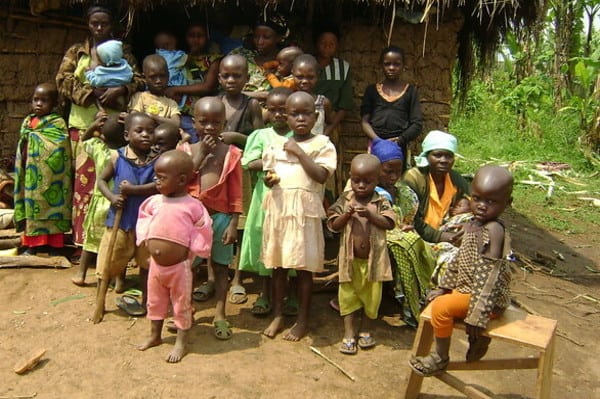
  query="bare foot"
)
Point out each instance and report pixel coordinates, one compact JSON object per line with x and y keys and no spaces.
{"x":274,"y":328}
{"x":152,"y":342}
{"x":78,"y":280}
{"x":176,"y":354}
{"x":296,"y":333}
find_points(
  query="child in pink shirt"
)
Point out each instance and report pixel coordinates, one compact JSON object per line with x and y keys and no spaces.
{"x":175,"y":227}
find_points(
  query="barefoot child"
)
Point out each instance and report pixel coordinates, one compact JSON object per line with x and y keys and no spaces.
{"x":221,"y":192}
{"x":132,"y":170}
{"x":154,"y":102}
{"x":279,"y":73}
{"x":43,"y":178}
{"x":252,"y":161}
{"x":362,"y":216}
{"x":99,"y":148}
{"x":297,"y":169}
{"x":174,"y":227}
{"x":475,"y":287}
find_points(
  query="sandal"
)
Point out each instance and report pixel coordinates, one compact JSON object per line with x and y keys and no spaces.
{"x":428,"y":366}
{"x":130,"y":305}
{"x":204,"y":292}
{"x":335,"y":305}
{"x":237,"y":294}
{"x":222,"y":330}
{"x":366,"y":341}
{"x":261,"y":307}
{"x":478,"y":347}
{"x":291,"y":306}
{"x":348,"y":346}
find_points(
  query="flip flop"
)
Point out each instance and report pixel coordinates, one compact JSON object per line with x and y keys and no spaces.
{"x":204,"y":292}
{"x":366,"y":341}
{"x":261,"y":307}
{"x":237,"y":294}
{"x":428,"y":366}
{"x":348,"y":347}
{"x":130,"y":305}
{"x":291,"y":306}
{"x":222,"y":330}
{"x":478,"y":347}
{"x":335,"y":305}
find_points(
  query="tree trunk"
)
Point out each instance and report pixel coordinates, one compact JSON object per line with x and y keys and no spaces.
{"x":563,"y":27}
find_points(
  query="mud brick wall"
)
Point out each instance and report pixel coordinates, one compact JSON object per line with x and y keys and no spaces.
{"x":30,"y":53}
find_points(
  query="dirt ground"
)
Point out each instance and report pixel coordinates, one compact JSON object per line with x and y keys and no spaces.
{"x":84,"y":360}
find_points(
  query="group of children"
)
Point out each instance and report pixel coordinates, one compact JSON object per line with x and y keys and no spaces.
{"x":174,"y":201}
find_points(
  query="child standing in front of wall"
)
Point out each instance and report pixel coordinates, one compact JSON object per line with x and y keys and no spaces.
{"x":476,"y":286}
{"x":174,"y":227}
{"x":362,"y":216}
{"x":297,"y":169}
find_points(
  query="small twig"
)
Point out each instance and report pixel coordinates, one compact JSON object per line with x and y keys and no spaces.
{"x":334,"y":364}
{"x":584,"y":296}
{"x":565,"y":336}
{"x":534,"y":287}
{"x":133,"y":321}
{"x":33,"y":395}
{"x":574,"y":315}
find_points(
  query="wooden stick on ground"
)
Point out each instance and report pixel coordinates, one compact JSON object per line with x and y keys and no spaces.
{"x":334,"y":364}
{"x":106,"y":275}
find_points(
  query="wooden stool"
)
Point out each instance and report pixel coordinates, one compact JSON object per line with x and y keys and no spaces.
{"x":514,"y":326}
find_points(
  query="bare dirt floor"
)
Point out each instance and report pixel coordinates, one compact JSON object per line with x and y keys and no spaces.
{"x":41,"y":308}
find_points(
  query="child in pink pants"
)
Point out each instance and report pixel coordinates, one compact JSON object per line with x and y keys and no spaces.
{"x":175,"y":227}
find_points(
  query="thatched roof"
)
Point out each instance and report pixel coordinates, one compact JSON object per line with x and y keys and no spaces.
{"x":486,"y":21}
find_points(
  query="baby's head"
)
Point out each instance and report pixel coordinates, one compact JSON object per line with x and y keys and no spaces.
{"x":139,"y":132}
{"x":209,"y":116}
{"x":165,"y":40}
{"x":233,"y":74}
{"x":301,"y":115}
{"x":156,"y":74}
{"x":110,"y":52}
{"x":173,"y":171}
{"x":113,"y":132}
{"x":166,"y":137}
{"x":462,"y":206}
{"x":491,"y":192}
{"x":276,"y":113}
{"x":286,"y":58}
{"x":364,"y":175}
{"x":45,"y":98}
{"x":306,"y":72}
{"x":392,"y":160}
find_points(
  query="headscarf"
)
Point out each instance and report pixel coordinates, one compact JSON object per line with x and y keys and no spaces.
{"x":273,"y":20}
{"x":436,"y":140}
{"x":386,"y":150}
{"x":110,"y":52}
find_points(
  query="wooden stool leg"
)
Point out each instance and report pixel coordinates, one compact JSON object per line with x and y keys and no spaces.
{"x":421,"y":347}
{"x":544,"y":379}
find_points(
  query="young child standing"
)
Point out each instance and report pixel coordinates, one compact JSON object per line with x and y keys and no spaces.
{"x":296,"y":170}
{"x":174,"y":227}
{"x":132,"y":170}
{"x":166,"y":46}
{"x":476,"y":286}
{"x":362,"y":216}
{"x":279,"y":73}
{"x":306,"y":72}
{"x":43,"y":177}
{"x":257,"y":142}
{"x":154,"y":102}
{"x":391,"y":109}
{"x":221,"y":192}
{"x":100,"y":140}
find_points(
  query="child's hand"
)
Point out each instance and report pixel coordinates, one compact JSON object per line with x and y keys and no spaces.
{"x":185,"y":137}
{"x":171,"y":92}
{"x":122,"y":117}
{"x":435,"y":293}
{"x":207,"y":144}
{"x":366,"y":211}
{"x":452,"y":238}
{"x":230,"y":235}
{"x":228,"y":137}
{"x":125,"y":188}
{"x":407,"y":228}
{"x":271,"y":179}
{"x":292,"y":147}
{"x":350,"y":209}
{"x":270,"y":67}
{"x":473,"y":331}
{"x":117,"y":201}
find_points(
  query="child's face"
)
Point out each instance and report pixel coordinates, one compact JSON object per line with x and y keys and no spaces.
{"x":285,"y":65}
{"x":276,"y":111}
{"x":233,"y":77}
{"x":42,"y":102}
{"x":305,"y":76}
{"x":265,"y":40}
{"x":440,"y":161}
{"x":165,"y":41}
{"x":209,"y":122}
{"x":363,"y":182}
{"x":168,"y":181}
{"x":301,"y":116}
{"x":393,"y":64}
{"x":157,"y":77}
{"x":165,"y":140}
{"x":196,"y":39}
{"x":488,"y":203}
{"x":140,"y":135}
{"x":391,"y":171}
{"x":327,"y":45}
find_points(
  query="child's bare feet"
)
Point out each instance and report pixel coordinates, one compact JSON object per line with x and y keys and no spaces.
{"x":297,"y":332}
{"x":180,"y":348}
{"x":275,"y":327}
{"x":155,"y":338}
{"x":78,"y":280}
{"x":152,"y":342}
